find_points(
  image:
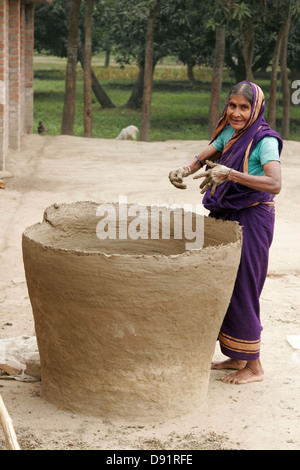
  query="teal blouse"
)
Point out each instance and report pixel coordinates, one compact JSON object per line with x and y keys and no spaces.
{"x":265,"y":151}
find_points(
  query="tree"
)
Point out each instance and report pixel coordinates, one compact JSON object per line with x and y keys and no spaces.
{"x":293,"y":15}
{"x":293,"y":51}
{"x":178,"y":31}
{"x":262,"y":45}
{"x":273,"y":81}
{"x":217,"y":21}
{"x":248,"y":50}
{"x":129,"y":27}
{"x":51,"y":28}
{"x":249,"y":38}
{"x":70,"y":86}
{"x":285,"y":88}
{"x":252,"y":35}
{"x":104,"y":13}
{"x":146,"y":110}
{"x":187,"y":37}
{"x":240,"y":17}
{"x":98,"y":90}
{"x":283,"y":14}
{"x":250,"y":16}
{"x":214,"y":107}
{"x":88,"y":118}
{"x":135,"y":100}
{"x":51,"y":36}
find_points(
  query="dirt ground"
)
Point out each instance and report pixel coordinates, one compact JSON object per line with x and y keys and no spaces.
{"x":262,"y":415}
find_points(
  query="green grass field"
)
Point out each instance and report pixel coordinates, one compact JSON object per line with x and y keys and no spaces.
{"x":179,"y":111}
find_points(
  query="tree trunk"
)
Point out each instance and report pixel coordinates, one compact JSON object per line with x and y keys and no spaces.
{"x":88,"y":117}
{"x":295,"y":73}
{"x":136,"y":98}
{"x":70,"y":86}
{"x":99,"y":92}
{"x":190,"y":72}
{"x":273,"y":87}
{"x":285,"y":88}
{"x":148,"y":75}
{"x":238,"y":68}
{"x":248,"y":51}
{"x":214,"y":109}
{"x":107,"y":57}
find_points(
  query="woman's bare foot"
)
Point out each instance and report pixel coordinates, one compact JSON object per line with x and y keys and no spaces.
{"x":252,"y":372}
{"x":229,"y":364}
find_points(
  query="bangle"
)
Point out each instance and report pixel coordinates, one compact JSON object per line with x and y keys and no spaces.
{"x":201,"y":163}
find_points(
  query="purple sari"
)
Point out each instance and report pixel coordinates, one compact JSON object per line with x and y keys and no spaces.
{"x":240,"y":333}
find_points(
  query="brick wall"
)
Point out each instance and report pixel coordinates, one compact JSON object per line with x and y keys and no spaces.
{"x":16,"y":73}
{"x":15,"y":56}
{"x":4,"y":79}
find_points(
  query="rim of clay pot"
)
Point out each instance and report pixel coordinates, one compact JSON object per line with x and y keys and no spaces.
{"x":236,"y":232}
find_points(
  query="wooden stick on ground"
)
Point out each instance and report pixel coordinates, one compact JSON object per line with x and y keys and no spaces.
{"x":8,"y":429}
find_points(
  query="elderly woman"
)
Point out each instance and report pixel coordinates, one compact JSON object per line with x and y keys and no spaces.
{"x":241,"y":186}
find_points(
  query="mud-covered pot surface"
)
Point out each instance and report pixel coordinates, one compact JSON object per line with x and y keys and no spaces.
{"x":127,"y":326}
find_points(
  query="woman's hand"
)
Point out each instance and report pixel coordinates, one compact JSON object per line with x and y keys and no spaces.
{"x":217,"y":175}
{"x":176,"y":176}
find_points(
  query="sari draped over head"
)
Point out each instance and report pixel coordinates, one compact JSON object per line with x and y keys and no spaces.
{"x":230,"y":195}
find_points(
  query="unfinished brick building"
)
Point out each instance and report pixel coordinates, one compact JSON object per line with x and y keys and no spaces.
{"x":16,"y":72}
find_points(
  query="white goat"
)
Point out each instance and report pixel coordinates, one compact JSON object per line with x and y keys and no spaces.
{"x":127,"y":132}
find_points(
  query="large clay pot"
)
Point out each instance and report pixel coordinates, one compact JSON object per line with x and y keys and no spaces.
{"x":126,"y":328}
